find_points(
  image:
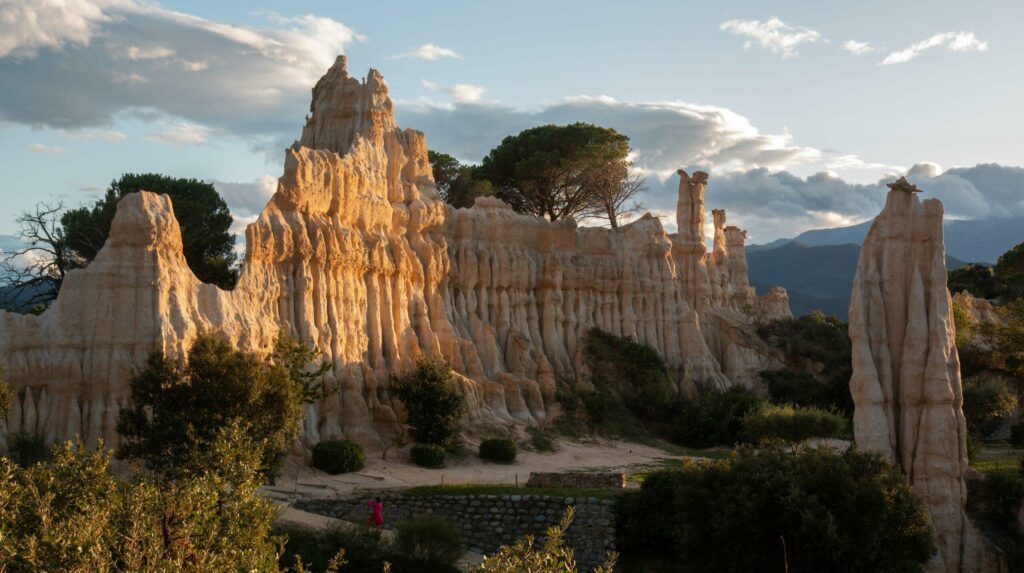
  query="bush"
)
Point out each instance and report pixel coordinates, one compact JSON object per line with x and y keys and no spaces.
{"x":988,"y":402}
{"x":501,"y":450}
{"x":176,"y":411}
{"x":71,"y":514}
{"x":632,"y":370}
{"x":792,"y":425}
{"x":715,"y":418}
{"x":433,"y":405}
{"x":552,"y":557}
{"x":842,"y":513}
{"x":365,"y":549}
{"x":338,"y":456}
{"x":1017,"y":435}
{"x":427,"y":455}
{"x":996,"y":498}
{"x":27,"y":448}
{"x":427,"y":543}
{"x":818,"y":362}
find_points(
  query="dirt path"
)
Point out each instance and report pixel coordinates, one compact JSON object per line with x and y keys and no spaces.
{"x":301,"y":481}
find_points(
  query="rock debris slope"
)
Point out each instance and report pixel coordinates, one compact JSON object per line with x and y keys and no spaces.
{"x":356,"y":254}
{"x":906,"y":372}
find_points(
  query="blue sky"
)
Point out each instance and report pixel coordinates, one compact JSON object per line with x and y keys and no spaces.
{"x":796,"y":124}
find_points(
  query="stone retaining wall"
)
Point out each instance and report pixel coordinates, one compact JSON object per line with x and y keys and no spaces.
{"x":487,"y":522}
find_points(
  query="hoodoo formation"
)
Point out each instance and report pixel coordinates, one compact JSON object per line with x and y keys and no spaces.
{"x":356,"y":254}
{"x":906,"y":373}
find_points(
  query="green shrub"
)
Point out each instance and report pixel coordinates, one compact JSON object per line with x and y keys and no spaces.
{"x":366,"y":550}
{"x":176,"y":411}
{"x":338,"y":456}
{"x":433,"y":405}
{"x":502,"y":450}
{"x":27,"y":448}
{"x":1017,"y":435}
{"x":632,"y":371}
{"x":996,"y":498}
{"x":988,"y":402}
{"x":713,"y":419}
{"x":541,"y":439}
{"x":828,"y":509}
{"x":818,"y":354}
{"x":70,"y":514}
{"x":551,"y":557}
{"x":428,"y":543}
{"x":792,"y":425}
{"x":427,"y":455}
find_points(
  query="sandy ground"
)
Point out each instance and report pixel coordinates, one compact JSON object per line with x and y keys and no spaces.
{"x":298,"y":480}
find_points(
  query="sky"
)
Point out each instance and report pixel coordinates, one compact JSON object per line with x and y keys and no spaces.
{"x":800,"y":110}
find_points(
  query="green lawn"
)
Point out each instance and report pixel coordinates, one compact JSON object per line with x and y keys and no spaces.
{"x":998,"y":458}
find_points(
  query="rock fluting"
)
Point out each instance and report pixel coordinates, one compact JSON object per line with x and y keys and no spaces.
{"x":906,"y":373}
{"x":356,"y":254}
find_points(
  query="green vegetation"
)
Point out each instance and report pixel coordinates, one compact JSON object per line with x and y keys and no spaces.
{"x":364,"y":549}
{"x":427,"y":544}
{"x":551,"y":557}
{"x":500,"y":450}
{"x":815,"y":510}
{"x":484,"y":489}
{"x":713,"y":419}
{"x":988,"y":403}
{"x":791,"y":425}
{"x":338,"y":456}
{"x":177,"y":410}
{"x":457,"y":184}
{"x":427,"y":455}
{"x":201,"y":212}
{"x":434,"y":406}
{"x":1009,"y":270}
{"x":27,"y":448}
{"x":630,"y":371}
{"x":71,"y":514}
{"x":979,"y":280}
{"x":564,"y":172}
{"x":818,"y":362}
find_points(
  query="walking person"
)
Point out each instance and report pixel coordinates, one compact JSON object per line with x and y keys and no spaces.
{"x":376,"y":512}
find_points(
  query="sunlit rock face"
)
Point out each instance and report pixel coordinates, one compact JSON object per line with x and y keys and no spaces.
{"x":356,"y":254}
{"x":906,"y":373}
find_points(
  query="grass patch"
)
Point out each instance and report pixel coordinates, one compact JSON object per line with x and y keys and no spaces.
{"x":998,"y":458}
{"x":482,"y":489}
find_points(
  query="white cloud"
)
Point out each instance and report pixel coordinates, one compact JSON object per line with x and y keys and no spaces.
{"x":255,"y":78}
{"x":49,"y":150}
{"x":183,"y":133}
{"x":29,"y":25}
{"x":858,"y":48}
{"x":247,"y":199}
{"x":772,"y":34}
{"x":460,"y":93}
{"x":952,"y":41}
{"x":428,"y":52}
{"x":93,"y":134}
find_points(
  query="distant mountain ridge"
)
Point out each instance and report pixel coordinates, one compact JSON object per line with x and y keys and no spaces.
{"x":975,"y":241}
{"x":816,"y":277}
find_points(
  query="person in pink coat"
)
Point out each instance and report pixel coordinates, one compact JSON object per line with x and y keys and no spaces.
{"x":376,"y":512}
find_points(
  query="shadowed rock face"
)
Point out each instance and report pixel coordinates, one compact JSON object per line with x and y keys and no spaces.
{"x":356,"y":254}
{"x":906,"y":372}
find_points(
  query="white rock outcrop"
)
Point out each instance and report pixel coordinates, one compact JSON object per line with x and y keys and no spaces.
{"x":356,"y":254}
{"x":906,"y":373}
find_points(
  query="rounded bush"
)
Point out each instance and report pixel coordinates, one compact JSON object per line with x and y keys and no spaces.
{"x":792,"y":425}
{"x":338,"y":456}
{"x":427,"y":455}
{"x":501,"y":450}
{"x":427,"y":543}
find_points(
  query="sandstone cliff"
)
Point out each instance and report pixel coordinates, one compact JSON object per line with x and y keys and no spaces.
{"x":906,"y":373}
{"x":356,"y":254}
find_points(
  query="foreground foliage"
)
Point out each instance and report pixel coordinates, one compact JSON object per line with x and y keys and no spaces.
{"x":72,"y":515}
{"x":176,"y":410}
{"x":551,"y":557}
{"x":812,"y":511}
{"x":989,"y":401}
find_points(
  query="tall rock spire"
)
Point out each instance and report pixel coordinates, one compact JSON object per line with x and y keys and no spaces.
{"x":906,"y":372}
